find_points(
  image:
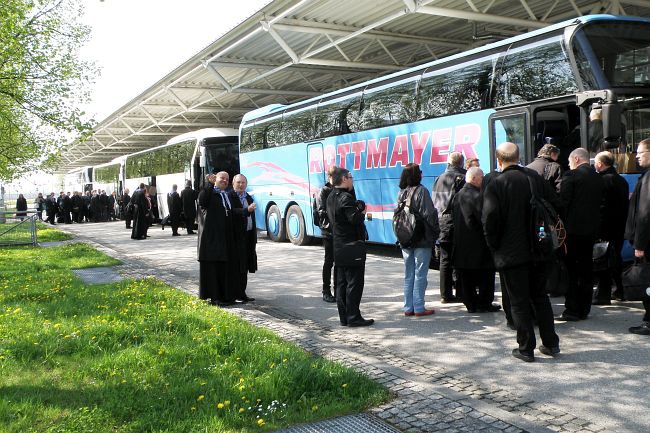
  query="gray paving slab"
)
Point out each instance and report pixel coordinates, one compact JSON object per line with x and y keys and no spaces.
{"x":102,"y":275}
{"x":454,"y":366}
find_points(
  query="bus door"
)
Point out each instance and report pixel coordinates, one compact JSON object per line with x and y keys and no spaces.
{"x":317,"y":176}
{"x":559,"y":125}
{"x":512,"y":126}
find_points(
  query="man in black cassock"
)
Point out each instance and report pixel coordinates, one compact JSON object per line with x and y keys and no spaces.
{"x":175,"y":206}
{"x":140,"y":210}
{"x":189,"y":196}
{"x":126,"y":198}
{"x":245,"y":233}
{"x":216,"y":246}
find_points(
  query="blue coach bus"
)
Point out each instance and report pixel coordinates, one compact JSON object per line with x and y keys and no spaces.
{"x":533,"y":89}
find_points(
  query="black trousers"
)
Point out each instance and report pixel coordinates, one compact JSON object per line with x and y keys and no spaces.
{"x":350,"y":280}
{"x":580,"y":266}
{"x":447,"y":272}
{"x":604,"y":290}
{"x":328,"y":264}
{"x":243,"y":282}
{"x":189,"y":225}
{"x":525,"y":285}
{"x":473,"y":280}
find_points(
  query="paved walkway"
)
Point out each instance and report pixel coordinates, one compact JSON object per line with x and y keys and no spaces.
{"x":449,"y":372}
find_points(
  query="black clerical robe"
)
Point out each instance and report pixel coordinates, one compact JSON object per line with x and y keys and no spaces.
{"x":140,"y":206}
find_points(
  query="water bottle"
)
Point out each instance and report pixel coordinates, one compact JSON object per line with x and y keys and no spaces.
{"x":541,"y":234}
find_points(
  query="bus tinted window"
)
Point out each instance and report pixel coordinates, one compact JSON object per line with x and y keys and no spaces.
{"x":297,"y":126}
{"x":388,"y":106}
{"x":622,"y":51}
{"x":457,"y":89}
{"x":331,"y":116}
{"x":167,"y":160}
{"x":108,"y":174}
{"x":536,"y":71}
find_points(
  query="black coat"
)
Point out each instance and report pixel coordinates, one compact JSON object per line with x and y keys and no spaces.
{"x":614,"y":206}
{"x":125,"y":203}
{"x":550,"y":170}
{"x":246,"y":240}
{"x":323,"y":218}
{"x":506,"y":214}
{"x":175,"y":207}
{"x":470,"y":249}
{"x":77,"y":203}
{"x":637,"y":229}
{"x":188,"y":197}
{"x":581,"y":196}
{"x":445,"y":186}
{"x":21,"y":205}
{"x":141,"y":213}
{"x":348,"y":229}
{"x":216,"y":236}
{"x":51,"y":207}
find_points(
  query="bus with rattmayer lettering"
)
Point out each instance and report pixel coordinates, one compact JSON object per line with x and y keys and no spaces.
{"x":532,"y":89}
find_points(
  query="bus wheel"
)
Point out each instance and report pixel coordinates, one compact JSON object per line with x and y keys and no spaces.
{"x":296,"y":226}
{"x":274,"y":227}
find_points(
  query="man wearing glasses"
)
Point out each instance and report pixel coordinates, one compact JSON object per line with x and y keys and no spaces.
{"x":349,"y":238}
{"x":637,"y":229}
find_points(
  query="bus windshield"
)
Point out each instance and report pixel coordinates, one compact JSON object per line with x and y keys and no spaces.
{"x":621,"y":49}
{"x":222,"y":157}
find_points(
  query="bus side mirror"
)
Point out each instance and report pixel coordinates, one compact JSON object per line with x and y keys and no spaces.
{"x":612,"y":130}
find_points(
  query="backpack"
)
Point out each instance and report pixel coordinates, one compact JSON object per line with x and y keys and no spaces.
{"x":314,"y":211}
{"x":407,"y":223}
{"x":546,"y":228}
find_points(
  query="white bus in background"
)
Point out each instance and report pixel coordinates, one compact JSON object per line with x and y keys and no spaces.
{"x":79,"y":179}
{"x":190,"y":156}
{"x":108,"y":176}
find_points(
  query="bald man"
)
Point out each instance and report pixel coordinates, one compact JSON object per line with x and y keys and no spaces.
{"x":506,"y":225}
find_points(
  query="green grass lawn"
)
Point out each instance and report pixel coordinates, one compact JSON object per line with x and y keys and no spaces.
{"x":46,"y":233}
{"x":140,"y":356}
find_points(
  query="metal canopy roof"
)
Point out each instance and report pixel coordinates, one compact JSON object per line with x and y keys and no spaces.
{"x":292,"y":50}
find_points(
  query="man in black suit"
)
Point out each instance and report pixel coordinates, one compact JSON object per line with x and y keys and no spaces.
{"x":471,"y":256}
{"x":188,"y":197}
{"x":581,"y":196}
{"x":128,"y":215}
{"x":349,"y":236}
{"x":245,"y":232}
{"x":175,"y":208}
{"x":637,"y":229}
{"x":507,"y":229}
{"x":614,"y":214}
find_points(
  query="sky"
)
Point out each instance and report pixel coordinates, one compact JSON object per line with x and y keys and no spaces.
{"x":137,"y":42}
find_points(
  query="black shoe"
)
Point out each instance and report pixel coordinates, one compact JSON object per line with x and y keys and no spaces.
{"x":175,"y":234}
{"x":344,"y":323}
{"x":362,"y":322}
{"x":568,"y":317}
{"x":511,"y":325}
{"x":328,"y":298}
{"x":246,"y":299}
{"x":471,"y":310}
{"x":618,"y":295}
{"x":129,"y":227}
{"x":550,"y":351}
{"x":601,"y":302}
{"x":523,"y":356}
{"x":642,"y":329}
{"x":493,"y":308}
{"x":451,"y":300}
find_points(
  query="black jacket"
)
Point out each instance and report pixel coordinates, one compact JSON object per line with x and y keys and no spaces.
{"x":246,"y":240}
{"x":348,"y":229}
{"x":637,"y":229}
{"x":550,"y":170}
{"x":175,"y":207}
{"x":422,"y":204}
{"x":216,"y":235}
{"x":614,"y":205}
{"x":506,"y":214}
{"x":323,"y":218}
{"x":470,"y":249}
{"x":581,"y":196}
{"x":448,"y":183}
{"x":189,"y":196}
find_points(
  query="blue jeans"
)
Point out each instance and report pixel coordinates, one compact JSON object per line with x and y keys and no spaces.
{"x":416,"y":268}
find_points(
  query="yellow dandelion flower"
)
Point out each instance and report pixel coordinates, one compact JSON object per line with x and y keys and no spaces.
{"x":242,"y":410}
{"x":345,"y":385}
{"x":226,"y":403}
{"x":260,"y":422}
{"x":314,"y":408}
{"x":220,"y":406}
{"x":201,"y":397}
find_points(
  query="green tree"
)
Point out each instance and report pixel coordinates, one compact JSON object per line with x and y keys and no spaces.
{"x":42,"y":82}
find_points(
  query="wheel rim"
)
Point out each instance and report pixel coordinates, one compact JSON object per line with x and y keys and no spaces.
{"x":273,"y":223}
{"x":294,"y":226}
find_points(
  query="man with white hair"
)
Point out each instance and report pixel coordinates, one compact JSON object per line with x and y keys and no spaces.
{"x":471,"y":256}
{"x":581,"y":196}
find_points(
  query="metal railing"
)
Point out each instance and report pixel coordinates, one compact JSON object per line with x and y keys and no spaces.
{"x":18,"y":228}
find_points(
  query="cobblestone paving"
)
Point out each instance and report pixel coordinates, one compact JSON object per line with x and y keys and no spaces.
{"x":427,"y":398}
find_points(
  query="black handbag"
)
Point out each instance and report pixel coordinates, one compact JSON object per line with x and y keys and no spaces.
{"x":636,"y":281}
{"x":603,"y":256}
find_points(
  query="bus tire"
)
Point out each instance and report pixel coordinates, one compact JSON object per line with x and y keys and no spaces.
{"x":296,"y":226}
{"x":275,"y":228}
